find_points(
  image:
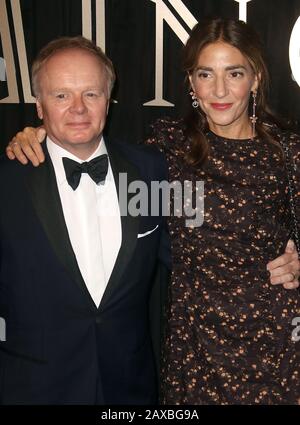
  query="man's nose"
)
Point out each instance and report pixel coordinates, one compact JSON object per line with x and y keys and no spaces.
{"x":78,"y":106}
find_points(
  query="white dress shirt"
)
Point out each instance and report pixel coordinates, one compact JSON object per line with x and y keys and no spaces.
{"x":93,"y":221}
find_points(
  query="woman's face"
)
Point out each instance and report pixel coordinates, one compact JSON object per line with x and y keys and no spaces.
{"x":222,"y":81}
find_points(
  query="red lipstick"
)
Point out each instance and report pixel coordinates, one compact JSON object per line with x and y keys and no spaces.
{"x":221,"y":106}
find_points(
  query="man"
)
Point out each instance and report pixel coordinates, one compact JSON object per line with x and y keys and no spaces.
{"x":76,"y":272}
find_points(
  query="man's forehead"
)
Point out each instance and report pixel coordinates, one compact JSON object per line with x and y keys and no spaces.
{"x":78,"y":64}
{"x":73,"y":54}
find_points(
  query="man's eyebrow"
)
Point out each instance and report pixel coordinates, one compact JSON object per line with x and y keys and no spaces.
{"x":58,"y":89}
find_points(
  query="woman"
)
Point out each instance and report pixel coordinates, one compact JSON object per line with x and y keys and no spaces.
{"x":228,"y":338}
{"x":229,"y":332}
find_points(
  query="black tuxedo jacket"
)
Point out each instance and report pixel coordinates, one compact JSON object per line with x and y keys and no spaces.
{"x":60,"y":348}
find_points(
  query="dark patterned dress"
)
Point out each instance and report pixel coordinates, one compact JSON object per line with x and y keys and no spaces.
{"x":229,"y":331}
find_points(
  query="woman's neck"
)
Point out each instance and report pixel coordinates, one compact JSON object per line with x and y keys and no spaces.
{"x":239,"y":131}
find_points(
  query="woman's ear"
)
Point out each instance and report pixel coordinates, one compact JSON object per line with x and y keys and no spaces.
{"x":191,"y":81}
{"x":256,"y":82}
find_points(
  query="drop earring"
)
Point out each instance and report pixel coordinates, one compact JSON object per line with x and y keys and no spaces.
{"x":195,"y":103}
{"x":253,"y":118}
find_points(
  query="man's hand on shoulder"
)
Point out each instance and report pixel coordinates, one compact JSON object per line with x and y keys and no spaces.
{"x":26,"y":145}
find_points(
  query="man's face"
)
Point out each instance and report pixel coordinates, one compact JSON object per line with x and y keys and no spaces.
{"x":73,"y":100}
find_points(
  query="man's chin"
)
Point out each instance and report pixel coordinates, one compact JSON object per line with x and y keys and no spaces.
{"x":75,"y":140}
{"x":80,"y":140}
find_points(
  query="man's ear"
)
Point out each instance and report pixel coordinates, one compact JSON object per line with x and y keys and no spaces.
{"x":39,"y":108}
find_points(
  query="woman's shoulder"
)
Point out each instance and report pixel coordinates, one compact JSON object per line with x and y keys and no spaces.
{"x":283,"y":134}
{"x":166,"y":134}
{"x":293,"y":142}
{"x":287,"y":137}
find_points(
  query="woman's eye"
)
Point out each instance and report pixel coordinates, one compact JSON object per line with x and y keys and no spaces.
{"x":236,"y":74}
{"x":203,"y":75}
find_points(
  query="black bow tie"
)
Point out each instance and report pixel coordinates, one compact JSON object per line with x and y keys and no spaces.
{"x":96,"y":169}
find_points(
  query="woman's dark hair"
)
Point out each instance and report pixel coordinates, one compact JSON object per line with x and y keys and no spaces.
{"x":240,"y":35}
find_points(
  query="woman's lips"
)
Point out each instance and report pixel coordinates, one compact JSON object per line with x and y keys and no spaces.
{"x":221,"y":106}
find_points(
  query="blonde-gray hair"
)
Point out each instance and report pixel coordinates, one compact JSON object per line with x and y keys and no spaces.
{"x":68,"y":43}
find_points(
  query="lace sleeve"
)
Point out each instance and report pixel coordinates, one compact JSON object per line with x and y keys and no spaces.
{"x":166,"y":135}
{"x":292,"y":155}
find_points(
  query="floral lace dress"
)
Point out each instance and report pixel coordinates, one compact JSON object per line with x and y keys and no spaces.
{"x":229,"y":331}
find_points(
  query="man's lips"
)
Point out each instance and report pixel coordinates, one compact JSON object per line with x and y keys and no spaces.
{"x":221,"y":106}
{"x":78,"y":124}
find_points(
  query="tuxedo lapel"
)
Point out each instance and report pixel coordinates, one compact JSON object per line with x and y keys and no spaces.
{"x":42,"y":186}
{"x":129,"y":223}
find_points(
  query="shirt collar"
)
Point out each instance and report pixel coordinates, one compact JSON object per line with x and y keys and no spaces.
{"x":56,"y":153}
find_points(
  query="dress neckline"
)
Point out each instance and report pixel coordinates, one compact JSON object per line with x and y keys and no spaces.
{"x":216,"y":136}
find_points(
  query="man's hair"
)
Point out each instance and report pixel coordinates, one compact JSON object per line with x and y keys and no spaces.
{"x":68,"y":43}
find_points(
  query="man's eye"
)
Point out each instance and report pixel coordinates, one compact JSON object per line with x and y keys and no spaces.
{"x":61,"y":96}
{"x":92,"y":94}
